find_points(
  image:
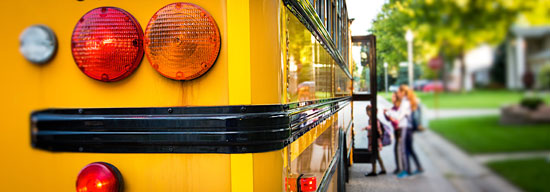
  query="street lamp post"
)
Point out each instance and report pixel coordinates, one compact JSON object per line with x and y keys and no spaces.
{"x":386,"y":76}
{"x":409,"y":37}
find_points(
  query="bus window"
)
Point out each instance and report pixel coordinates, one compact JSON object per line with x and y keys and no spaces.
{"x":361,"y":67}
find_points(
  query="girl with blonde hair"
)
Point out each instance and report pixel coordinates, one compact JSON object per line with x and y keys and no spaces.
{"x":413,"y":101}
{"x":398,"y":115}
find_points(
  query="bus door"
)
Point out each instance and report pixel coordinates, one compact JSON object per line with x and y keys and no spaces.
{"x":364,"y":93}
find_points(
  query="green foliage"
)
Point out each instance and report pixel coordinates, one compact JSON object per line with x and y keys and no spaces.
{"x":486,"y":135}
{"x":528,"y":174}
{"x":390,"y":43}
{"x":532,"y":103}
{"x":538,"y":13}
{"x":544,"y":77}
{"x":454,"y":27}
{"x":449,"y":27}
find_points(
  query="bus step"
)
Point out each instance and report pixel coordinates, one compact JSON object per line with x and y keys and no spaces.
{"x":362,"y":155}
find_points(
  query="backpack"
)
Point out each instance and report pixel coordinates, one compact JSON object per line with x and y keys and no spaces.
{"x":416,"y":118}
{"x":386,"y":134}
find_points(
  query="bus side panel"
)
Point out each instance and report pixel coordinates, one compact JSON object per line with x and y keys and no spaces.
{"x":60,"y":84}
{"x":140,"y":172}
{"x":268,"y":171}
{"x":265,"y":52}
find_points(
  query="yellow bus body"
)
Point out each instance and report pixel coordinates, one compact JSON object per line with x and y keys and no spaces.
{"x":251,"y":69}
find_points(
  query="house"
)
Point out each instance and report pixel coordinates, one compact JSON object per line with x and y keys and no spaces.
{"x":528,"y":50}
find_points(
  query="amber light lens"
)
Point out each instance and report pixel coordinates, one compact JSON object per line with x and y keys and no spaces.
{"x":107,"y":44}
{"x":182,"y":41}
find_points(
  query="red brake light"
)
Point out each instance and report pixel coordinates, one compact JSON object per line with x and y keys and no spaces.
{"x":99,"y":177}
{"x":308,"y":184}
{"x":107,"y":44}
{"x":290,"y":184}
{"x":182,"y":41}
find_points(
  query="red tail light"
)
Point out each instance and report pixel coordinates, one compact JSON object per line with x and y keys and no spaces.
{"x":308,"y":184}
{"x":290,"y":184}
{"x":182,"y":41}
{"x":107,"y":44}
{"x":300,"y":183}
{"x":99,"y":177}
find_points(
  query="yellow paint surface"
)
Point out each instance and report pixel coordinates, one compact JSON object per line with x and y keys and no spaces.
{"x":249,"y":70}
{"x":239,"y":51}
{"x":265,"y":52}
{"x":60,"y":84}
{"x":242,"y":172}
{"x":268,"y":171}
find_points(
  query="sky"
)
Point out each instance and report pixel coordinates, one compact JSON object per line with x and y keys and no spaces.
{"x":364,"y":11}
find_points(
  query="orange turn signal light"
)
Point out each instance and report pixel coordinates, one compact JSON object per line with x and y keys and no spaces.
{"x":182,"y":41}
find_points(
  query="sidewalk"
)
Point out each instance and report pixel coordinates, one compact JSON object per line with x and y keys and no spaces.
{"x":447,"y":168}
{"x":485,"y":158}
{"x":450,"y":113}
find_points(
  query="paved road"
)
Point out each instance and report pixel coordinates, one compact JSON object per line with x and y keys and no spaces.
{"x":447,"y":168}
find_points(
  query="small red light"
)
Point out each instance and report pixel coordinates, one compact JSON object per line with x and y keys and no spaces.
{"x":290,"y":184}
{"x":99,"y":177}
{"x":107,"y":44}
{"x":308,"y":184}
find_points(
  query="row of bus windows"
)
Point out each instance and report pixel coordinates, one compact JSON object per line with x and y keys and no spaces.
{"x":312,"y":72}
{"x":334,"y":15}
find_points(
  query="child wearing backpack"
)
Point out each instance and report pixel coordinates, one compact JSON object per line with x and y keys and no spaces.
{"x":371,"y":143}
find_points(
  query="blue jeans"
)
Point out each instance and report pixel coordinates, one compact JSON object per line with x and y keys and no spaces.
{"x":409,"y":152}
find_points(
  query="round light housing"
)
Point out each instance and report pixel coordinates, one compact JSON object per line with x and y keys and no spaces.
{"x":182,"y":41}
{"x":38,"y":44}
{"x":99,"y":177}
{"x":107,"y":44}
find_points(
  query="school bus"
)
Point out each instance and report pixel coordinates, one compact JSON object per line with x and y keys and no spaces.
{"x":197,"y":95}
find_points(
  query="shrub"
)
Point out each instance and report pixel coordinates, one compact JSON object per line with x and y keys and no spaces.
{"x":532,"y":103}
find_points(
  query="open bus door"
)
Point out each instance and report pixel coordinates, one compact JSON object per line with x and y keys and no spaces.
{"x":364,"y":91}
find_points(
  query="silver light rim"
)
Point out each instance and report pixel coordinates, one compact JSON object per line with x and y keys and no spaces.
{"x":50,"y":38}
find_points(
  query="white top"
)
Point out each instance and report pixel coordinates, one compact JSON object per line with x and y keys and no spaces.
{"x":407,"y":111}
{"x":402,"y":114}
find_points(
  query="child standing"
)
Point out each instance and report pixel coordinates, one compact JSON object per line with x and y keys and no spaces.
{"x":371,"y":143}
{"x":399,"y":116}
{"x":409,"y":95}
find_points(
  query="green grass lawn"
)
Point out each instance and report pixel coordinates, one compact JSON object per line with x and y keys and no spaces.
{"x":474,"y":99}
{"x":528,"y":174}
{"x":486,"y":135}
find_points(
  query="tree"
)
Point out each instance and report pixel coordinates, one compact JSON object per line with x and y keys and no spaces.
{"x":451,"y":27}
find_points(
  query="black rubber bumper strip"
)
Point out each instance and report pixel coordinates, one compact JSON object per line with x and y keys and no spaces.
{"x":220,"y":129}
